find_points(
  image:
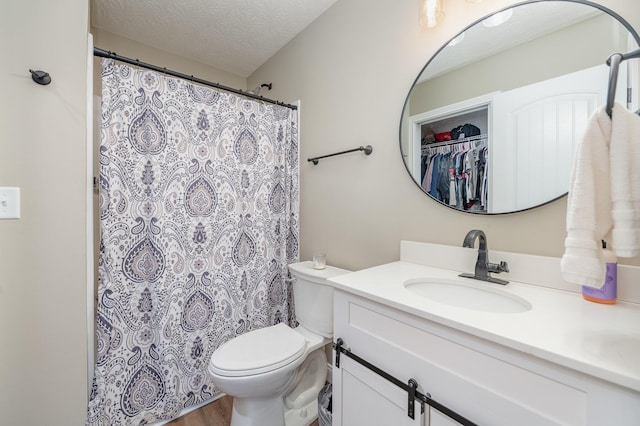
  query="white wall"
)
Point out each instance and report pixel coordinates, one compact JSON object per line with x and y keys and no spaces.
{"x":43,"y":309}
{"x":352,"y":69}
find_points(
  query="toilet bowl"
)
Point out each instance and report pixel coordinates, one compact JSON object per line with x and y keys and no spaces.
{"x":274,"y":373}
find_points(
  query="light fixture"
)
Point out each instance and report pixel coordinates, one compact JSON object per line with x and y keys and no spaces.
{"x":498,"y":18}
{"x":431,"y":12}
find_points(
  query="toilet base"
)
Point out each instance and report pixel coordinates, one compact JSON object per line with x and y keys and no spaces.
{"x":296,"y":405}
{"x":268,"y":412}
{"x":303,"y":416}
{"x":301,"y":402}
{"x":258,"y":412}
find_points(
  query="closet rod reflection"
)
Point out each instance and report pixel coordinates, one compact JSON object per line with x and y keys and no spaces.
{"x":478,"y":138}
{"x":367,"y":150}
{"x":112,"y":55}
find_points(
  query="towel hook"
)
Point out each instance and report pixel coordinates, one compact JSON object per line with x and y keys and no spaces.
{"x":40,"y":77}
{"x":614,"y":63}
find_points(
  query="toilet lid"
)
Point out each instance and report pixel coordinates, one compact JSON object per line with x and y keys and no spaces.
{"x":258,"y":351}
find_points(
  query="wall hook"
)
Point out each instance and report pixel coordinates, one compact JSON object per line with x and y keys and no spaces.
{"x":40,"y":77}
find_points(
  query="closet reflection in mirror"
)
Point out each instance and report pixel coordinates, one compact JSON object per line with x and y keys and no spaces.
{"x":492,"y":121}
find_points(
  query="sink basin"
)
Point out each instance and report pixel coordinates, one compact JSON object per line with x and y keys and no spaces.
{"x":471,"y":295}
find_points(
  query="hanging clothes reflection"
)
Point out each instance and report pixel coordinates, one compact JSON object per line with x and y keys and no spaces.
{"x":454,"y":172}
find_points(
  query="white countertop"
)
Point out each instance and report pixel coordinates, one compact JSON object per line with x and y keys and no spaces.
{"x":561,"y":327}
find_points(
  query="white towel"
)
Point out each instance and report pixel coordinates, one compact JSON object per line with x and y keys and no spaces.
{"x":588,"y":205}
{"x":625,"y":182}
{"x":604,"y":195}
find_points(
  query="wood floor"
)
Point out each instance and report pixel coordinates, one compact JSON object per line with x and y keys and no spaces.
{"x":217,"y":413}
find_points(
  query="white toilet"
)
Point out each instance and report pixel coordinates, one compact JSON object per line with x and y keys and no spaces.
{"x":274,"y":374}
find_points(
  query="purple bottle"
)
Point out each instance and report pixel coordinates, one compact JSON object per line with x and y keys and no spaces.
{"x":609,"y":292}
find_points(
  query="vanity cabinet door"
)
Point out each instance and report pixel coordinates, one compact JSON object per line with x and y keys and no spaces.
{"x":439,"y":419}
{"x":361,"y":397}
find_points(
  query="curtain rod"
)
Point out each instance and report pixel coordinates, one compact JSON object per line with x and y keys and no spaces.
{"x":112,"y":55}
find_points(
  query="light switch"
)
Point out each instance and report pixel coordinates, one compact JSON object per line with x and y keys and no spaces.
{"x":9,"y":203}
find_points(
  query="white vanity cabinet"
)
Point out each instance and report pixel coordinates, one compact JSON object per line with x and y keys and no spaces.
{"x":485,"y":382}
{"x":372,"y":400}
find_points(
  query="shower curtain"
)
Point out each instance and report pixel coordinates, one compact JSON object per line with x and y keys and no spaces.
{"x":199,"y":219}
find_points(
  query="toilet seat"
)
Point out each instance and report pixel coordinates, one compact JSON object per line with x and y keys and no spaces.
{"x":258,"y":351}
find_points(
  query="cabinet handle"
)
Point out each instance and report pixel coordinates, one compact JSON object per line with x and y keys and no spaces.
{"x":411,"y":393}
{"x":338,"y":347}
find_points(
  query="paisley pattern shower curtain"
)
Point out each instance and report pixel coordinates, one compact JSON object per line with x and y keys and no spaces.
{"x":199,"y":219}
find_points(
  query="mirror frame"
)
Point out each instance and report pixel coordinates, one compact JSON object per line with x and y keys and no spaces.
{"x":604,"y":9}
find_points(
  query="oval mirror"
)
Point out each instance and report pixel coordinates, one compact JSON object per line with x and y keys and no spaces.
{"x":491,"y":122}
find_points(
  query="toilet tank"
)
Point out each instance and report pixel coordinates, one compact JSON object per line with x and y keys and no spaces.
{"x":313,"y":296}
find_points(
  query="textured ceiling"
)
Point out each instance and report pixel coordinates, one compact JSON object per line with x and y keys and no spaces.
{"x":528,"y":22}
{"x":232,"y":35}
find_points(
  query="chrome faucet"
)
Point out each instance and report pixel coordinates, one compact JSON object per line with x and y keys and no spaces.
{"x":483,"y":266}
